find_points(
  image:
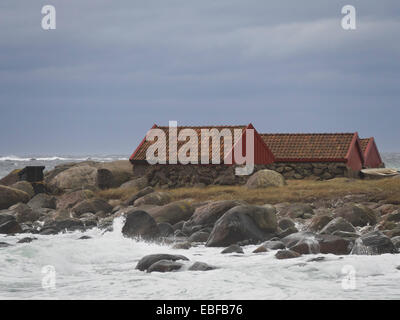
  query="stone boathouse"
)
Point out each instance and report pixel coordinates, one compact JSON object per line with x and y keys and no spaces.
{"x":318,"y":156}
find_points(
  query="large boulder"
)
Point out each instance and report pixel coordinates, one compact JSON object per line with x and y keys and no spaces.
{"x":11,"y":178}
{"x":69,"y":199}
{"x":308,"y":242}
{"x":24,"y":213}
{"x":165,"y":266}
{"x":113,"y":174}
{"x":62,"y":224}
{"x":10,"y":196}
{"x":209,"y":213}
{"x":8,"y":224}
{"x":154,"y":198}
{"x":338,"y":224}
{"x":373,"y":243}
{"x":265,"y":178}
{"x":357,"y":214}
{"x":252,"y":223}
{"x":138,"y":183}
{"x":287,"y":254}
{"x":42,"y":200}
{"x":318,"y":222}
{"x":172,"y":212}
{"x":76,"y":177}
{"x":92,"y":206}
{"x":139,"y":224}
{"x":147,"y":261}
{"x":24,"y":186}
{"x":142,"y":192}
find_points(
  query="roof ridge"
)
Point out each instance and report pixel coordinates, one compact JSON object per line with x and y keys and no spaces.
{"x":207,"y":126}
{"x":314,"y":133}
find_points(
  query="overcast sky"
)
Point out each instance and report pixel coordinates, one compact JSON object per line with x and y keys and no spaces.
{"x":112,"y":69}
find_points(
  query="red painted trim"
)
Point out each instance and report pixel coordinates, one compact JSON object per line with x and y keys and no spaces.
{"x":140,"y":145}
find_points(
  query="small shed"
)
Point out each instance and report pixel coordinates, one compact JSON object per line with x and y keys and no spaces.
{"x":316,"y":147}
{"x":372,"y":157}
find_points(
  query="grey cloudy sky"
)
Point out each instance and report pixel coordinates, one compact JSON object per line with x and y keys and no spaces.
{"x":112,"y":69}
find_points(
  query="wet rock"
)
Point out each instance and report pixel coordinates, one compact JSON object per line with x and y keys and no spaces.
{"x":42,"y":200}
{"x":70,"y":199}
{"x":106,"y":223}
{"x":317,"y":259}
{"x":373,"y":243}
{"x":338,"y":224}
{"x":8,"y":224}
{"x":10,"y":179}
{"x":48,"y":231}
{"x":23,"y":213}
{"x":139,"y":194}
{"x":83,"y":176}
{"x":273,"y":245}
{"x":165,"y":266}
{"x":172,"y":213}
{"x":138,"y":183}
{"x":393,"y":233}
{"x":178,"y":225}
{"x":319,"y":222}
{"x":307,"y":242}
{"x":297,"y":210}
{"x":62,"y":225}
{"x":154,"y":198}
{"x":24,"y":186}
{"x":393,"y":216}
{"x":286,"y":223}
{"x":234,"y":248}
{"x":201,"y":266}
{"x":260,"y":249}
{"x":26,"y":240}
{"x":84,"y":238}
{"x":253,"y":223}
{"x":179,"y":234}
{"x":4,"y":245}
{"x":140,"y":224}
{"x":287,"y":254}
{"x":265,"y":178}
{"x":358,"y":215}
{"x":346,"y":235}
{"x":92,"y":206}
{"x":287,"y":232}
{"x":396,"y":242}
{"x":199,"y":236}
{"x":10,"y":196}
{"x":165,"y":229}
{"x":149,"y":260}
{"x":208,"y":214}
{"x":334,"y":245}
{"x":113,"y":174}
{"x":182,"y":245}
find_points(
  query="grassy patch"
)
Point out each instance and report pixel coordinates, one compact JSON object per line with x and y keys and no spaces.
{"x":295,"y":191}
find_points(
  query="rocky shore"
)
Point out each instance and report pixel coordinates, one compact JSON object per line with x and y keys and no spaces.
{"x":347,"y":225}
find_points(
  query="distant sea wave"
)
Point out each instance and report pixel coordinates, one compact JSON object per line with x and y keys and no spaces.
{"x":9,"y":163}
{"x":12,"y":162}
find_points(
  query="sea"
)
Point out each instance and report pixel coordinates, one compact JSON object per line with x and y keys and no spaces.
{"x":103,"y":267}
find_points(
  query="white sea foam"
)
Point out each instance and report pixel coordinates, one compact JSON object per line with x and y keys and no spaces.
{"x":104,"y":268}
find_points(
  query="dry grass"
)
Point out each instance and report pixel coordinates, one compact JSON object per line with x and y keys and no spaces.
{"x":295,"y":191}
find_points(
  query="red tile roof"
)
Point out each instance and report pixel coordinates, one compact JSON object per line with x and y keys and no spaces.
{"x":364,"y":143}
{"x":140,"y":152}
{"x":309,"y":146}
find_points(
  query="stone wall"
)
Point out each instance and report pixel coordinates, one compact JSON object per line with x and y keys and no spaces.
{"x":173,"y":176}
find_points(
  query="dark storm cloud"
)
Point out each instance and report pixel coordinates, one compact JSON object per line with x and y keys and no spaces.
{"x":113,"y":68}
